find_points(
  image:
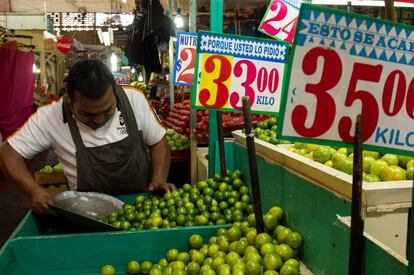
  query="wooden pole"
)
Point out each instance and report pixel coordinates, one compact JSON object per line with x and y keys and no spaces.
{"x":254,"y":176}
{"x":390,"y":10}
{"x":357,"y":220}
{"x":223,"y":168}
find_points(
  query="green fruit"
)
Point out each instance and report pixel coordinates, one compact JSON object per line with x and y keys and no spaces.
{"x":393,"y":173}
{"x":366,"y":163}
{"x":107,"y":270}
{"x":373,"y":154}
{"x":289,"y":270}
{"x":322,"y":154}
{"x":132,"y":268}
{"x":391,"y":159}
{"x":345,"y":165}
{"x":336,"y":157}
{"x":403,"y":160}
{"x":272,"y":261}
{"x":370,"y":178}
{"x":377,"y":166}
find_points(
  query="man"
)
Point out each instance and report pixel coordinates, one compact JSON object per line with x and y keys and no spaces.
{"x":107,"y":139}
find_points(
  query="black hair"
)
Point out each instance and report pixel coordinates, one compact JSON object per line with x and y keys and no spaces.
{"x":91,"y":77}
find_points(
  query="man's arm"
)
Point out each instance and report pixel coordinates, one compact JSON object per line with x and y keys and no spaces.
{"x":160,"y":158}
{"x":13,"y":166}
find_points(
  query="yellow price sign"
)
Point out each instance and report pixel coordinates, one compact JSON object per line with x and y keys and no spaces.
{"x":215,"y":80}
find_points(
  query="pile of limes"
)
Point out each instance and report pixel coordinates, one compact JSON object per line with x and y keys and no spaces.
{"x":237,"y":250}
{"x":266,"y":131}
{"x":218,"y":200}
{"x":376,"y":166}
{"x":177,"y":141}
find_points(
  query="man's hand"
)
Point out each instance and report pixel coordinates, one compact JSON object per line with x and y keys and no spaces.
{"x":166,"y":187}
{"x":41,"y":200}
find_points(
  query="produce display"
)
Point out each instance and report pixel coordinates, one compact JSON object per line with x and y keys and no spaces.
{"x":218,"y":200}
{"x":52,"y":169}
{"x":266,"y":131}
{"x":237,"y":250}
{"x":178,"y":118}
{"x":376,"y":166}
{"x":177,"y":141}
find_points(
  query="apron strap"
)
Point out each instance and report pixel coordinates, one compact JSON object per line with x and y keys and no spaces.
{"x":126,"y":111}
{"x":77,"y":139}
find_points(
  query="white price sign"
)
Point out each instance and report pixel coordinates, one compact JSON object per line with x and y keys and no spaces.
{"x":280,"y":19}
{"x":343,"y":65}
{"x":230,"y":67}
{"x":185,"y":58}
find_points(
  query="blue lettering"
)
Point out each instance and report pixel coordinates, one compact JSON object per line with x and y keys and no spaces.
{"x":314,"y":28}
{"x":407,"y":139}
{"x":381,"y":135}
{"x":183,"y":39}
{"x":264,"y":100}
{"x":194,"y":41}
{"x":381,"y":42}
{"x":358,"y":37}
{"x":335,"y":31}
{"x":325,"y":30}
{"x":402,"y":46}
{"x":345,"y":34}
{"x":391,"y":136}
{"x":397,"y":137}
{"x":392,"y":43}
{"x":411,"y":46}
{"x":369,"y":39}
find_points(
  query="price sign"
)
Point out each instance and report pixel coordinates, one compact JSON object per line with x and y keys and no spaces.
{"x":121,"y":78}
{"x":185,"y":56}
{"x":229,"y":67}
{"x":280,"y":19}
{"x":346,"y":64}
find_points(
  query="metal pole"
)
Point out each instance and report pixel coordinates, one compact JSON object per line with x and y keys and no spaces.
{"x":356,"y":249}
{"x":216,"y":25}
{"x":254,"y":176}
{"x":192,"y":25}
{"x":171,"y":65}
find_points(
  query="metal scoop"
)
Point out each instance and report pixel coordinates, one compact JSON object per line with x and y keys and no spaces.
{"x":84,"y":209}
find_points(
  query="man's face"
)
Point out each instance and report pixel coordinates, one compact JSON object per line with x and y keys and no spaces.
{"x":94,"y":113}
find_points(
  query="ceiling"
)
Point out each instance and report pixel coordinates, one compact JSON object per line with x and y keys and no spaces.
{"x":36,"y":6}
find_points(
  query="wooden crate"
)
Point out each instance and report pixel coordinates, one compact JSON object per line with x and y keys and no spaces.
{"x":385,"y":203}
{"x":53,"y":182}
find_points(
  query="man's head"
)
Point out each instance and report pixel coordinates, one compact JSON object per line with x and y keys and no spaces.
{"x":91,"y":86}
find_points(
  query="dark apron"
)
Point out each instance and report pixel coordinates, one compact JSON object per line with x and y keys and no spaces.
{"x":121,"y":167}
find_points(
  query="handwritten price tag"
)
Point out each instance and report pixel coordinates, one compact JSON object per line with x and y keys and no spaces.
{"x":280,"y":19}
{"x":344,"y":65}
{"x":185,"y":58}
{"x":230,"y":67}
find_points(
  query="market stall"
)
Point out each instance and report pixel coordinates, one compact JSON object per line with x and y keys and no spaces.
{"x":307,"y":193}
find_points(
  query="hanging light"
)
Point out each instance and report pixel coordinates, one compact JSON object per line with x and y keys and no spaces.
{"x":140,"y":78}
{"x":178,"y":20}
{"x":133,"y":70}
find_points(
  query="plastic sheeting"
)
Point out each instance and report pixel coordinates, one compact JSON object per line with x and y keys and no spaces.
{"x":16,"y":89}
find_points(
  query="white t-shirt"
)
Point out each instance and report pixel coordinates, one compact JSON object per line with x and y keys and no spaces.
{"x":46,"y":129}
